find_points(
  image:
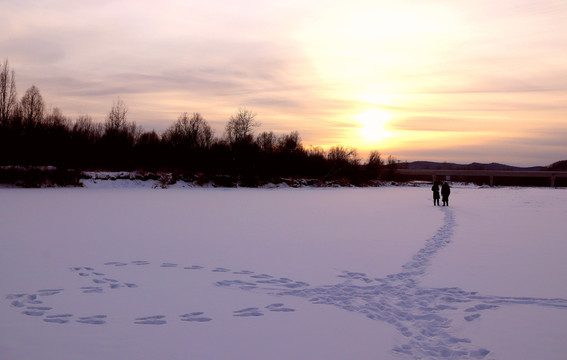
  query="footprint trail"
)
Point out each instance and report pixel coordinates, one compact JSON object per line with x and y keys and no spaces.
{"x":422,"y":316}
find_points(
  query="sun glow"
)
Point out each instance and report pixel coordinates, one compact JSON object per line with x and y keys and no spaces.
{"x":373,"y":125}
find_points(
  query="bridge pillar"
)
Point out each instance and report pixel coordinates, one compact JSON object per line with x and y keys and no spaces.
{"x":491,"y":180}
{"x":552,"y":180}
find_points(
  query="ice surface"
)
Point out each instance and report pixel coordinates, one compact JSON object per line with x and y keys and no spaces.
{"x":282,"y":274}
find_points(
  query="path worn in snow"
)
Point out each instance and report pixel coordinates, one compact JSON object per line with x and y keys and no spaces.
{"x":418,"y":313}
{"x":421,"y":315}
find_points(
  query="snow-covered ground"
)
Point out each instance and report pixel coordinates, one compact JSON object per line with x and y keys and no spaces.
{"x":373,"y":273}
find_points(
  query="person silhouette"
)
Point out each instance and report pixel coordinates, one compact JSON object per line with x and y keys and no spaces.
{"x":445,"y":191}
{"x":435,"y":189}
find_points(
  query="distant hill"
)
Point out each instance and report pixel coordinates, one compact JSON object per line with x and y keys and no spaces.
{"x":429,"y":165}
{"x":558,"y":166}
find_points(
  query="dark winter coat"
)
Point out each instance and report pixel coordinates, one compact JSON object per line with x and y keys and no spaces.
{"x":445,"y":190}
{"x":435,"y":189}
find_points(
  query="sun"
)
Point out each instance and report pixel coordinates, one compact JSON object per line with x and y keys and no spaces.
{"x":373,"y":124}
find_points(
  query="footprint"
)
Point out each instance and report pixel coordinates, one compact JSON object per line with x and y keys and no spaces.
{"x":356,"y":276}
{"x":220,"y":269}
{"x":270,"y":281}
{"x":30,"y":298}
{"x":262,"y":276}
{"x":140,"y":262}
{"x":454,"y":340}
{"x":91,"y":289}
{"x":79,"y":268}
{"x":283,"y":282}
{"x":93,"y":320}
{"x":14,"y":296}
{"x":195,"y":316}
{"x":17,"y":303}
{"x":279,"y":308}
{"x":296,"y":285}
{"x":479,"y":354}
{"x":59,"y":316}
{"x":33,"y":312}
{"x":151,"y":320}
{"x":193,"y":267}
{"x":114,"y":263}
{"x":480,"y":307}
{"x":239,"y":283}
{"x":253,"y":311}
{"x":243,"y":272}
{"x":168,"y":265}
{"x":58,"y":319}
{"x":472,"y":317}
{"x":23,"y":299}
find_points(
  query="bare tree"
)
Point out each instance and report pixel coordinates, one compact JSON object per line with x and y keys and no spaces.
{"x":201,"y":133}
{"x":190,"y":132}
{"x":32,"y":107}
{"x":316,"y":152}
{"x":290,"y":142}
{"x":85,"y":128}
{"x":374,"y":165}
{"x":56,"y":119}
{"x":267,"y":141}
{"x":117,"y":130}
{"x":240,"y":127}
{"x":149,"y":138}
{"x":393,"y":163}
{"x":116,"y":118}
{"x":8,"y":96}
{"x":375,"y":159}
{"x":340,"y":154}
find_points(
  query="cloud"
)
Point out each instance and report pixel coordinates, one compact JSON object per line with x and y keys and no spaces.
{"x":448,"y":68}
{"x":434,"y":124}
{"x":34,"y":48}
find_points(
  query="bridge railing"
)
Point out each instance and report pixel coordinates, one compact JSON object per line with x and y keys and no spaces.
{"x":491,"y":174}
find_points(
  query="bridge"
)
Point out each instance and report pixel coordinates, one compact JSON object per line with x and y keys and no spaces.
{"x":491,"y":174}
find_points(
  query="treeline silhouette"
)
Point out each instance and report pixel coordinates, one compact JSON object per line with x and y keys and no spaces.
{"x":31,"y":135}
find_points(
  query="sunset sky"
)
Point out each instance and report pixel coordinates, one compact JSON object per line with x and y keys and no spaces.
{"x":438,"y":80}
